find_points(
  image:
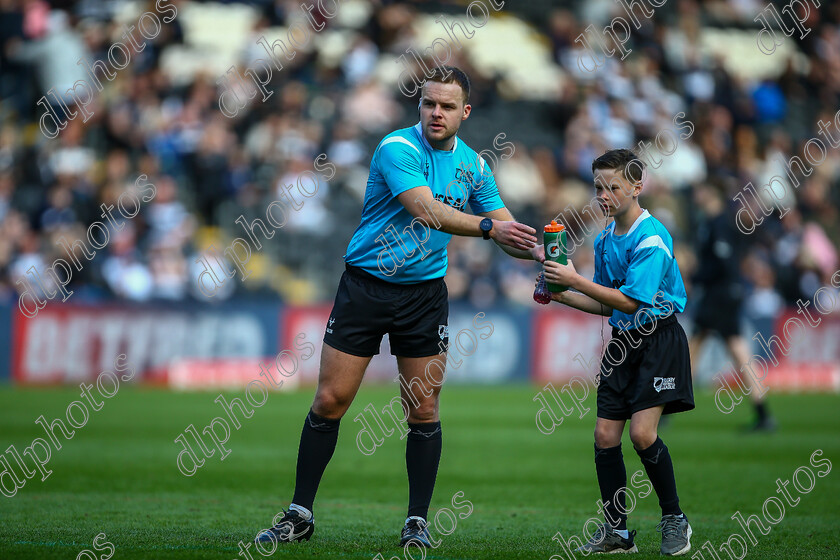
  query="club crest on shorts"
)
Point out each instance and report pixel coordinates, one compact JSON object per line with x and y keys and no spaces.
{"x":443,"y":331}
{"x":662,"y":383}
{"x":330,"y":323}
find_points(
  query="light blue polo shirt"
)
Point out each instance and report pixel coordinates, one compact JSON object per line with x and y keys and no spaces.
{"x":641,"y":265}
{"x":386,"y":244}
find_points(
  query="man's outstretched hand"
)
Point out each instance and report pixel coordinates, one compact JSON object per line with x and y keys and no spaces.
{"x":538,"y":253}
{"x":514,"y":234}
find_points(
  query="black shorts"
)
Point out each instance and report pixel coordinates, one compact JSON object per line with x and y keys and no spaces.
{"x":656,"y":372}
{"x":415,"y":316}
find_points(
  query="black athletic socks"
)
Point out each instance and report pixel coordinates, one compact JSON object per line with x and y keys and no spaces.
{"x":422,"y":456}
{"x":660,"y":471}
{"x":612,"y":476}
{"x":761,"y":411}
{"x":317,"y":444}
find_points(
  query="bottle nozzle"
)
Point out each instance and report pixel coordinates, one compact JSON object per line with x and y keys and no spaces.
{"x":554,"y":227}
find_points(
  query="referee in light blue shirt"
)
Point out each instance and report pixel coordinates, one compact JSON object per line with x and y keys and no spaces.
{"x":645,"y":371}
{"x":421,"y":180}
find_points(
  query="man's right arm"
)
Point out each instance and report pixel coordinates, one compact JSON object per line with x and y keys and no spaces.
{"x":422,"y":205}
{"x":400,"y":163}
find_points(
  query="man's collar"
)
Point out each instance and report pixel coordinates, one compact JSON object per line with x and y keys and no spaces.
{"x":419,"y":128}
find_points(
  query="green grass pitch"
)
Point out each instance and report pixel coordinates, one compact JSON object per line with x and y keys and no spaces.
{"x":118,"y":476}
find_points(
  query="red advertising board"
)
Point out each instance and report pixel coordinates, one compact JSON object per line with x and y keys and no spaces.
{"x":74,"y":343}
{"x":807,"y":357}
{"x":227,"y":373}
{"x":71,"y":344}
{"x":567,"y":343}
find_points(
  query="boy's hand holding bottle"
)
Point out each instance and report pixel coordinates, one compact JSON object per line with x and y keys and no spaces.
{"x":554,"y":243}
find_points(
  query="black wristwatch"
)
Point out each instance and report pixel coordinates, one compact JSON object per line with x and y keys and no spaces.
{"x":486,"y":225}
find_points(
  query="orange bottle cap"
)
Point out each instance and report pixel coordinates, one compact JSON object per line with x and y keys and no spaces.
{"x":554,"y":227}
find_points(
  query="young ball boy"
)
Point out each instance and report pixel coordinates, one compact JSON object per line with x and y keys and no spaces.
{"x":645,"y":371}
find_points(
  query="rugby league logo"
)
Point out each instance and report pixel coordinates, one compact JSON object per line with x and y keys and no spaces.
{"x":663,"y":383}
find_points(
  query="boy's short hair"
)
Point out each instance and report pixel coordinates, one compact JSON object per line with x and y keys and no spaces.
{"x":632,"y":168}
{"x":451,"y":75}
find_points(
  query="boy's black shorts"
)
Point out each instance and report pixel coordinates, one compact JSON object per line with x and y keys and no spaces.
{"x":657,"y":372}
{"x":415,"y":316}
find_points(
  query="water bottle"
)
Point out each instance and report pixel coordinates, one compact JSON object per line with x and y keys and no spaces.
{"x":554,"y":244}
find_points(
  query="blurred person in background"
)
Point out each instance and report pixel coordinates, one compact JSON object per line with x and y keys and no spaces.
{"x":764,"y":304}
{"x":126,"y":274}
{"x":718,"y":279}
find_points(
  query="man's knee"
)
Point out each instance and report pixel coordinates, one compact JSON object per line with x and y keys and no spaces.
{"x":330,"y":403}
{"x":426,"y":412}
{"x":606,"y":437}
{"x":642,"y":438}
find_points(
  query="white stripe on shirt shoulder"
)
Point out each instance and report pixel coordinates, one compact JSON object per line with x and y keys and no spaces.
{"x":398,"y":139}
{"x":653,"y":241}
{"x":642,"y":217}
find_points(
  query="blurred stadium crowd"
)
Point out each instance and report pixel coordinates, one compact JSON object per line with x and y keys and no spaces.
{"x":160,"y":116}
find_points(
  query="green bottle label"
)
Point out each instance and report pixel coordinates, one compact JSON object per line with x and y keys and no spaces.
{"x":555,"y":250}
